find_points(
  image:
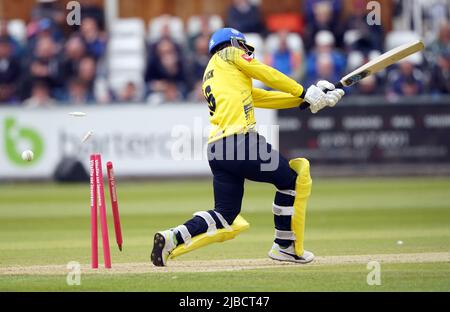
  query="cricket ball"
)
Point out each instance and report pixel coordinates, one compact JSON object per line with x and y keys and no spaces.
{"x":27,"y":155}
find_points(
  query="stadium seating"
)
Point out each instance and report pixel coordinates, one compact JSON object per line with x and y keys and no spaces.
{"x":294,"y":42}
{"x":126,"y":55}
{"x":129,"y":27}
{"x":174,"y":24}
{"x":128,"y":40}
{"x":193,"y":25}
{"x":126,"y":45}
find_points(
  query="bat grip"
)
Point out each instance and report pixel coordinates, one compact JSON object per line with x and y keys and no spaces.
{"x":337,"y":85}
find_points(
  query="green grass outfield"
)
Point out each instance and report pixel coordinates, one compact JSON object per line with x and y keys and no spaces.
{"x":49,"y":224}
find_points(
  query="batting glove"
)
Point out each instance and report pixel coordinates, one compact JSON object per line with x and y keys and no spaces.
{"x":333,"y":95}
{"x":316,"y":98}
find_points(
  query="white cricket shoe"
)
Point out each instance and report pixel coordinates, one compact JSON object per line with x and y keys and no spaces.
{"x":163,"y":243}
{"x":288,"y":254}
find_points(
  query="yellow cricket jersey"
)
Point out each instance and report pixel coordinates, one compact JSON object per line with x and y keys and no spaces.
{"x":227,"y":86}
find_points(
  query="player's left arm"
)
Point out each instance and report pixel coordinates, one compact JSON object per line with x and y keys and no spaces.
{"x":315,"y":94}
{"x":264,"y":73}
{"x":274,"y":99}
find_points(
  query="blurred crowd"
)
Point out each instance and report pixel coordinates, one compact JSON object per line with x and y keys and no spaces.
{"x":57,"y":63}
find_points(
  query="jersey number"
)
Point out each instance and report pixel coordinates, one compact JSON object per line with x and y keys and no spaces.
{"x":211,"y":100}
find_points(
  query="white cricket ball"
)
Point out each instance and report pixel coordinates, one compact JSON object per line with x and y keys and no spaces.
{"x":399,"y":242}
{"x":27,"y":155}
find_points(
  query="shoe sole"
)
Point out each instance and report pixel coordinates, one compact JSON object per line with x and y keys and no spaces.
{"x":291,"y":260}
{"x":158,"y":245}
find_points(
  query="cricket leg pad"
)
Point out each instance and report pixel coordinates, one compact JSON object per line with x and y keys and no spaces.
{"x":213,"y":234}
{"x":303,"y":186}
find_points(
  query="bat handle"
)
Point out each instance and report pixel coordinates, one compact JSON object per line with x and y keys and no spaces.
{"x":337,"y":85}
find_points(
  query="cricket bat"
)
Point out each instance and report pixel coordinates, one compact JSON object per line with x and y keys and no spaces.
{"x":379,"y":63}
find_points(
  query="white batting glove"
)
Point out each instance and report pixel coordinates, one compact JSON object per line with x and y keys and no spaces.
{"x":316,"y":99}
{"x":325,"y":85}
{"x":333,"y":95}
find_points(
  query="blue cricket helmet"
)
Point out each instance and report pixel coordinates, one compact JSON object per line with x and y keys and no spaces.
{"x":232,"y":36}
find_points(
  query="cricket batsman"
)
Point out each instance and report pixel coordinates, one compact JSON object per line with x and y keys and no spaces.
{"x":237,"y":152}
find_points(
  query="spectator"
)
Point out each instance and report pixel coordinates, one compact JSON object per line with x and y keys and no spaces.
{"x":406,"y":80}
{"x":165,"y":34}
{"x":205,"y":31}
{"x":312,"y":5}
{"x":45,"y":65}
{"x":286,"y":60}
{"x":325,"y":45}
{"x":7,"y":95}
{"x":367,"y":86}
{"x":199,"y":60}
{"x":440,"y":75}
{"x":441,"y":46}
{"x":94,"y":39}
{"x":15,"y":45}
{"x":87,"y":70}
{"x":9,"y":72}
{"x":322,"y":15}
{"x":129,"y":94}
{"x":165,"y":92}
{"x":89,"y":8}
{"x":74,"y":51}
{"x":165,"y":68}
{"x":325,"y":69}
{"x":42,"y":28}
{"x":49,"y":9}
{"x":245,"y":17}
{"x":78,"y":92}
{"x":196,"y":94}
{"x":40,"y":96}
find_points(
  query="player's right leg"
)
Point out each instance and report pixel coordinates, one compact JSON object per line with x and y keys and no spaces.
{"x":218,"y":225}
{"x":206,"y":227}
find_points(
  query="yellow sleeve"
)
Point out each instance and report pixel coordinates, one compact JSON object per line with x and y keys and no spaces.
{"x":274,"y":99}
{"x":259,"y":71}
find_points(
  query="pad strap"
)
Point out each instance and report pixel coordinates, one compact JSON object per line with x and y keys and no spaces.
{"x":287,"y":192}
{"x":282,"y":210}
{"x":185,"y":235}
{"x":223,"y":221}
{"x":287,"y":235}
{"x":212,"y":228}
